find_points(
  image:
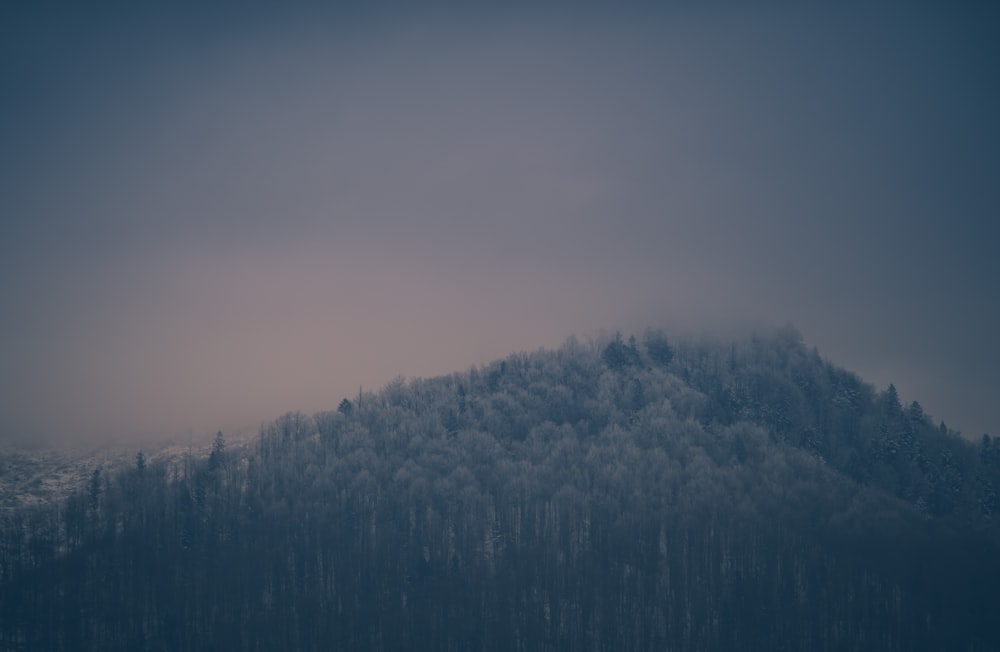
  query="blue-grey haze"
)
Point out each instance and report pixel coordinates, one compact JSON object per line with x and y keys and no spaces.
{"x":212,"y":216}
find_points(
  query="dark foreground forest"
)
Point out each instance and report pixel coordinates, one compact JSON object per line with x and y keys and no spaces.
{"x":636,"y":494}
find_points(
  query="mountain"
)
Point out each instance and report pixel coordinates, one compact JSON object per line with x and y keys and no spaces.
{"x":631,"y":494}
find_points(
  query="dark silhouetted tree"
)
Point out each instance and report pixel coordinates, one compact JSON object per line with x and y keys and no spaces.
{"x":658,"y":348}
{"x":346,"y":407}
{"x":217,"y":456}
{"x":619,"y":355}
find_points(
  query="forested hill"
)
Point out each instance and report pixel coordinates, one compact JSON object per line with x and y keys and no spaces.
{"x":635,"y":494}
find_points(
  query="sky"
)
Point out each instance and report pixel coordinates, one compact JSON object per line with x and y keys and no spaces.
{"x":214,"y":213}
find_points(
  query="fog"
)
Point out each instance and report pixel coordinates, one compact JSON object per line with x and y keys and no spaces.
{"x":211,"y":218}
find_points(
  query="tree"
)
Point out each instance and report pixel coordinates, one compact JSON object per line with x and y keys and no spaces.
{"x":216,"y":457}
{"x":94,"y":489}
{"x":140,"y":462}
{"x":658,"y":348}
{"x":618,"y":355}
{"x":890,"y":401}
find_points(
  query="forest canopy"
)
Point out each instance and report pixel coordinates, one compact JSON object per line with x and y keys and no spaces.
{"x":637,"y":493}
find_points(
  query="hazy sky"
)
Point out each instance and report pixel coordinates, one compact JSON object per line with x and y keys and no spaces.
{"x":212,"y":217}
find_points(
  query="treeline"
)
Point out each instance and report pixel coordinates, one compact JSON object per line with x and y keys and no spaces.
{"x":634,"y":494}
